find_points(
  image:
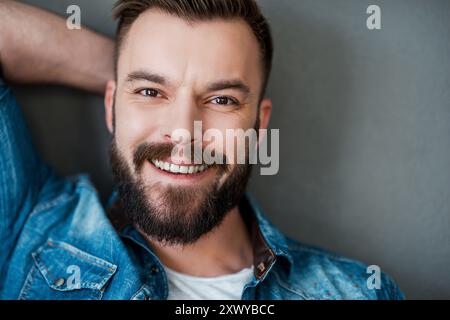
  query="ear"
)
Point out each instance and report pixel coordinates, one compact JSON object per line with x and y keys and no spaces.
{"x":109,"y":103}
{"x":265,"y":110}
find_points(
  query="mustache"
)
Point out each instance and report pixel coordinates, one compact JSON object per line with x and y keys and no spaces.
{"x":152,"y":150}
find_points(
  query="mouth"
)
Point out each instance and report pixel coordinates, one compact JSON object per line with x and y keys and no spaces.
{"x":179,"y":169}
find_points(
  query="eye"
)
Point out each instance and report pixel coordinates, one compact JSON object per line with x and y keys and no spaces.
{"x":224,"y":101}
{"x":148,"y":92}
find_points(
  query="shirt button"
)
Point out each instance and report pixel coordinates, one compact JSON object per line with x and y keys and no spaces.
{"x":261,"y":267}
{"x":155,"y":269}
{"x":59,"y":282}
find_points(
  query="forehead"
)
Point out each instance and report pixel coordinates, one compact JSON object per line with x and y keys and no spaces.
{"x":191,"y":52}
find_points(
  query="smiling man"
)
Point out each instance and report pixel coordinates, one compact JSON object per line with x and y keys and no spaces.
{"x":174,"y":68}
{"x":174,"y":228}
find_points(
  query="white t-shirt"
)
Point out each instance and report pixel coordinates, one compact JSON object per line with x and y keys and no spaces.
{"x":226,"y":287}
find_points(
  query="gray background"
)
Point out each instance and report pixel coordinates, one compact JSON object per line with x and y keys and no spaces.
{"x":364,"y":120}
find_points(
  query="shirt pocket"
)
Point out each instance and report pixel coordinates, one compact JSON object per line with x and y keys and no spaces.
{"x":61,"y":271}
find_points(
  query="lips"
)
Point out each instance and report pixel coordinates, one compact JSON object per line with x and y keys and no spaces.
{"x":179,"y":169}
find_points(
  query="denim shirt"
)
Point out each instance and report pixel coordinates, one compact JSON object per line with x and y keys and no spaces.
{"x":58,"y":241}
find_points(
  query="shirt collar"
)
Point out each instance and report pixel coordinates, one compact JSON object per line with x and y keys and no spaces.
{"x":269,"y":244}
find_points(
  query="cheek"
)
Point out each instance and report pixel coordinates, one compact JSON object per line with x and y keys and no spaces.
{"x":219,"y":136}
{"x":239,"y":119}
{"x":133,"y":127}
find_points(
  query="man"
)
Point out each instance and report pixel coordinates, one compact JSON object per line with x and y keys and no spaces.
{"x":175,"y":229}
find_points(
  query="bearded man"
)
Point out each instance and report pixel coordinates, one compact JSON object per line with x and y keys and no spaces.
{"x":173,"y":229}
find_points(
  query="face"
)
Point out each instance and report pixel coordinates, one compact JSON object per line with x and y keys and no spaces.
{"x":171,"y":74}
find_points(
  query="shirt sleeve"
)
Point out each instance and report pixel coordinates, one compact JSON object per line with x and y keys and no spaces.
{"x":22,"y":173}
{"x":389,"y":290}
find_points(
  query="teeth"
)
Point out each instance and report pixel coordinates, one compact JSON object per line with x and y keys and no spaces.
{"x":173,"y":168}
{"x":166,"y":166}
{"x":184,"y":169}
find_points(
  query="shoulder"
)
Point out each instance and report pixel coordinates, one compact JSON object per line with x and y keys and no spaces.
{"x":70,"y":214}
{"x":3,"y":87}
{"x":326,"y":275}
{"x":66,"y":204}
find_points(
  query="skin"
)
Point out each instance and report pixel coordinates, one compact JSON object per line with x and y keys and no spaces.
{"x":190,"y":58}
{"x":37,"y":47}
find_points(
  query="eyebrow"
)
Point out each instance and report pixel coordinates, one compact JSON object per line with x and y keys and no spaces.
{"x":229,"y":84}
{"x":147,"y":76}
{"x":235,"y":84}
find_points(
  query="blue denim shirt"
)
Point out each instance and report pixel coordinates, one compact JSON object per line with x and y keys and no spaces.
{"x":58,"y":241}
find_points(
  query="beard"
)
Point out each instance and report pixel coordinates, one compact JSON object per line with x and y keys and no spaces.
{"x":173,"y":214}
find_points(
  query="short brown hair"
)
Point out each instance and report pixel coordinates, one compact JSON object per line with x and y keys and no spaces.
{"x":127,"y":11}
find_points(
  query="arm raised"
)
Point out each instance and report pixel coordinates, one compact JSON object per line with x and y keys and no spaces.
{"x":37,"y":47}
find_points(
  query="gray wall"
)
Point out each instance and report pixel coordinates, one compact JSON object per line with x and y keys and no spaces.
{"x":364,"y":120}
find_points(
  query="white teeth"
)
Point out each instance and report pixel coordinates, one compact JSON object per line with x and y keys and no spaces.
{"x":166,"y":166}
{"x":174,"y":168}
{"x":184,"y":169}
{"x":179,"y":169}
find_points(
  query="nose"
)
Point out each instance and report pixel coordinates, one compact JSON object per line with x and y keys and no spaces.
{"x":180,"y":122}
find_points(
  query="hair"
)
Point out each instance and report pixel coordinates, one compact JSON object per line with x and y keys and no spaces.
{"x":127,"y":11}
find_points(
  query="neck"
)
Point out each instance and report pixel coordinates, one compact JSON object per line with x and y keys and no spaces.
{"x":225,"y":249}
